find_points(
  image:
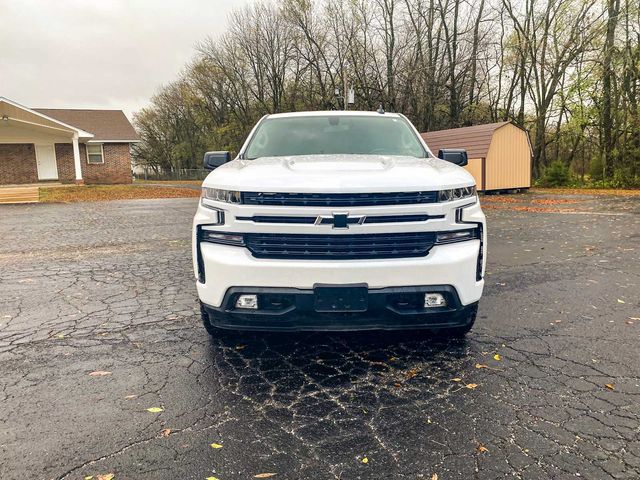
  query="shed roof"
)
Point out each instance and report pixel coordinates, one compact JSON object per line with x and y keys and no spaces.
{"x":475,"y":140}
{"x":104,"y":124}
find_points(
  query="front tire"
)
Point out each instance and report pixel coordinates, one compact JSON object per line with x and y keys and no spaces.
{"x":211,"y":330}
{"x":460,"y":332}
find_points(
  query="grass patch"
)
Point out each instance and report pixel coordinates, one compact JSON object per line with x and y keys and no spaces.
{"x":169,"y":182}
{"x":97,"y":193}
{"x":618,"y":192}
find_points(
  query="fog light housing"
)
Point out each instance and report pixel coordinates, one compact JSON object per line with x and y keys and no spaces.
{"x":249,"y":302}
{"x":432,"y":300}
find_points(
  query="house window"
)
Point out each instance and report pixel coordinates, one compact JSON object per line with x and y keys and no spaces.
{"x":95,"y":154}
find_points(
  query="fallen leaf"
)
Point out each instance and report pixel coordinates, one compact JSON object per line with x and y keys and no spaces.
{"x":481,"y":448}
{"x":88,"y":477}
{"x":265,"y":475}
{"x":129,"y":397}
{"x":411,"y":373}
{"x":216,"y":445}
{"x":397,"y":385}
{"x":457,"y":379}
{"x":155,"y":409}
{"x":497,"y":357}
{"x":610,"y":386}
{"x":212,"y":478}
{"x":480,"y":365}
{"x":434,"y":476}
{"x":471,"y":386}
{"x":99,"y":373}
{"x":240,"y":347}
{"x":106,"y":476}
{"x":621,"y":301}
{"x":60,"y":336}
{"x":365,"y":460}
{"x":634,"y":318}
{"x":165,"y":432}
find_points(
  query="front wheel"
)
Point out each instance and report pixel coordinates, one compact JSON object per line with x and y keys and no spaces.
{"x":460,"y":332}
{"x":211,"y":330}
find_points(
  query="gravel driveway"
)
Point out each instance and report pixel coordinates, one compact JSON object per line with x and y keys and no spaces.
{"x":105,"y":368}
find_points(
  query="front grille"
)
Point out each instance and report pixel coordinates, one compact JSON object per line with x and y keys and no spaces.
{"x":337,"y":247}
{"x":337,"y":199}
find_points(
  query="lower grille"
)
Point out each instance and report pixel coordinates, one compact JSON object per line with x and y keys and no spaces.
{"x":339,"y":247}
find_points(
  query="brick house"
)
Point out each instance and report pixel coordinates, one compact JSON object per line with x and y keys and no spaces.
{"x":64,"y":145}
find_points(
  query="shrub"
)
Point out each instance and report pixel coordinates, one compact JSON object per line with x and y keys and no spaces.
{"x":556,"y":174}
{"x":596,"y":169}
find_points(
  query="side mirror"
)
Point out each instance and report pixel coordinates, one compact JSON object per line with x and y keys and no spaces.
{"x":213,"y":160}
{"x":454,"y":155}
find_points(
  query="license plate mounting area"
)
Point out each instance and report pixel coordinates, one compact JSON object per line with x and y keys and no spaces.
{"x":341,"y":298}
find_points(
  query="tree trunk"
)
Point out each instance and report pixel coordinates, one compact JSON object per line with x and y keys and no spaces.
{"x":613,"y":9}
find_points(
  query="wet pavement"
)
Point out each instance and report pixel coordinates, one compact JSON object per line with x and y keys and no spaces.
{"x":99,"y":323}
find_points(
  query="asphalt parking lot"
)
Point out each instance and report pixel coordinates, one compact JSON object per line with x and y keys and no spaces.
{"x":105,"y":368}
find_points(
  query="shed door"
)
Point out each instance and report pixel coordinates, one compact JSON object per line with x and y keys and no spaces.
{"x":47,"y":166}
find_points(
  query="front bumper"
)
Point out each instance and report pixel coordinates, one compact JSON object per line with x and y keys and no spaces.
{"x":396,"y":308}
{"x":229,"y":266}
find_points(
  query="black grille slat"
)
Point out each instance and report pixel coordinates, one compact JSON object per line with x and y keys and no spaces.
{"x":365,"y":239}
{"x":300,"y":246}
{"x":337,"y":199}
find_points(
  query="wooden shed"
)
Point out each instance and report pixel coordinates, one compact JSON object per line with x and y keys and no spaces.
{"x":499,"y":153}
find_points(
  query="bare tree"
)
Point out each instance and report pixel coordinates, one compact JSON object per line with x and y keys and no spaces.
{"x":569,"y":70}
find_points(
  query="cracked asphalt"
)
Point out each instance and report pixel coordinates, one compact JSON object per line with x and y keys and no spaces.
{"x":547,"y":385}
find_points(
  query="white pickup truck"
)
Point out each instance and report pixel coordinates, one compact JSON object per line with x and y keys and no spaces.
{"x":338,"y":221}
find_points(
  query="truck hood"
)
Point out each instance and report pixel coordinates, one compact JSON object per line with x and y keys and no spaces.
{"x":339,"y":173}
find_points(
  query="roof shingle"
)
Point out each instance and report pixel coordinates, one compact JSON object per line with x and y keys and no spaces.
{"x":104,"y":124}
{"x":475,"y":140}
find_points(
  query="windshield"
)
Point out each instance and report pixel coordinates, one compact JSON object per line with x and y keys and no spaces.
{"x":334,"y":134}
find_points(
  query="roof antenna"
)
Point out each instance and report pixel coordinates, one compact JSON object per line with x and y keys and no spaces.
{"x":381,"y":109}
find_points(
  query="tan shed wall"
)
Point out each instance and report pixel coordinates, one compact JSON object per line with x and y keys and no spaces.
{"x":508,"y":160}
{"x":474,"y":167}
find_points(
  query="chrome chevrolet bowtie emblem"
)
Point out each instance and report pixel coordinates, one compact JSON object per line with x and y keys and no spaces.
{"x":339,"y":220}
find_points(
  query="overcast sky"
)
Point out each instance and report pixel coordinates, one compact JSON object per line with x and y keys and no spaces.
{"x":100,"y":53}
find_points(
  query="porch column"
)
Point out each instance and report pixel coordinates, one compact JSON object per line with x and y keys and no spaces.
{"x":76,"y":160}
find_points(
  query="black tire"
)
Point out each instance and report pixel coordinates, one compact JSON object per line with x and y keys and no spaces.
{"x":460,"y":332}
{"x":211,"y":330}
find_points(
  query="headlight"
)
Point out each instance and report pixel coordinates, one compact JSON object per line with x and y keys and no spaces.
{"x":218,"y":195}
{"x":457,"y":236}
{"x":456,"y":193}
{"x":207,"y":235}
